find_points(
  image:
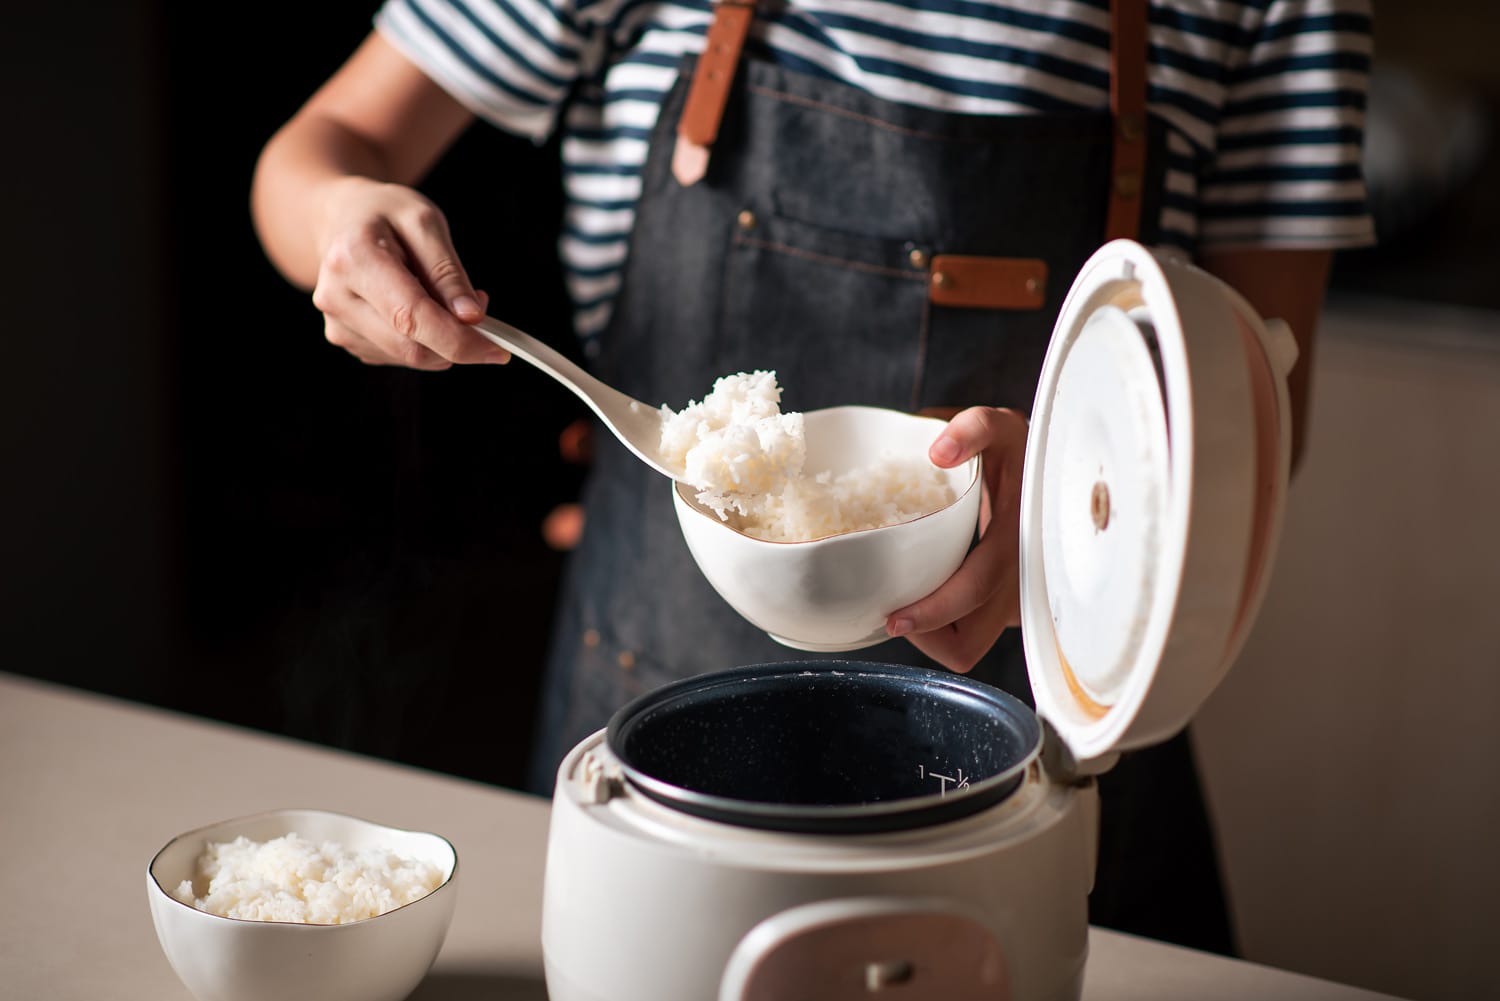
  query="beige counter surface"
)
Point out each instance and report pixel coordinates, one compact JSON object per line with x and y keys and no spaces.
{"x":91,"y":787}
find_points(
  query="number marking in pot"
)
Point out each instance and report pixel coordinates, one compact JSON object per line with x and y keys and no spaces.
{"x":960,"y":782}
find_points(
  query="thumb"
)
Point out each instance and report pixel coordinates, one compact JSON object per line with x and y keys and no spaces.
{"x":979,"y":429}
{"x":436,"y":262}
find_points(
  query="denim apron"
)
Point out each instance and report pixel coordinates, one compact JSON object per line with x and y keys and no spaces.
{"x":807,"y":249}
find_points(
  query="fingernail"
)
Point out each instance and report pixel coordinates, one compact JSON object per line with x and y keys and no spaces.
{"x":465,"y":305}
{"x":899,"y":627}
{"x":944,"y":450}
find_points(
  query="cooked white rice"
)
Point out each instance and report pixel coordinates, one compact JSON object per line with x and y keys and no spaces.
{"x":737,"y":441}
{"x":292,"y":879}
{"x":746,"y":458}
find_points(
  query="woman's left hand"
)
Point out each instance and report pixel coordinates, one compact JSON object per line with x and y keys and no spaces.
{"x":959,"y":622}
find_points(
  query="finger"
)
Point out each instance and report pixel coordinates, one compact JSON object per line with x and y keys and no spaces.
{"x":497,"y":355}
{"x":343,"y":335}
{"x":981,"y":575}
{"x":973,"y":431}
{"x":436,"y":263}
{"x":374,"y":266}
{"x":352,"y":324}
{"x":960,"y":645}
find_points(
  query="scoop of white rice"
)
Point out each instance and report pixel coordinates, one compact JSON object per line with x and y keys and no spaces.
{"x":746,"y":458}
{"x":292,"y":879}
{"x":737,"y":441}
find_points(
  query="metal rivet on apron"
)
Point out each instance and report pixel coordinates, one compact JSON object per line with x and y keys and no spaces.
{"x":1128,"y":183}
{"x":626,"y":660}
{"x":746,"y":219}
{"x":918,"y":257}
{"x":939,"y":278}
{"x":1131,"y":127}
{"x":591,"y":637}
{"x":1033,"y":286}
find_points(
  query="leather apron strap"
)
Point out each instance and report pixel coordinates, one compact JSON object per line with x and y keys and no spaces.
{"x":954,"y":280}
{"x":1127,"y":103}
{"x":709,"y":92}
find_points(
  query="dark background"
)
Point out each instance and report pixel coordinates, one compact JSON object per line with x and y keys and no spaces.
{"x":206,"y":507}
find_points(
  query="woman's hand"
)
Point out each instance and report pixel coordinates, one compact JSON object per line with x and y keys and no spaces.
{"x":959,"y":622}
{"x":335,"y":209}
{"x":390,"y":285}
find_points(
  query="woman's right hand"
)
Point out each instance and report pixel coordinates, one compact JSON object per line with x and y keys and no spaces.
{"x":390,"y":285}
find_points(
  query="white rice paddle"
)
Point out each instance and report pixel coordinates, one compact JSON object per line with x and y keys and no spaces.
{"x":636,"y":424}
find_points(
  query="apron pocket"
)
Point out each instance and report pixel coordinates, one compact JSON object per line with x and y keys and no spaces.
{"x":840,"y":317}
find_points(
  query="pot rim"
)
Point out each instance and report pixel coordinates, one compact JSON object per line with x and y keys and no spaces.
{"x":878,"y":816}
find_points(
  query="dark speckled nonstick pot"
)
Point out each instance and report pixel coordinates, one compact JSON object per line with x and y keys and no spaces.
{"x":833,"y":747}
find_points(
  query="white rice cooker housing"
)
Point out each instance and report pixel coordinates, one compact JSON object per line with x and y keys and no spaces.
{"x":1154,"y":482}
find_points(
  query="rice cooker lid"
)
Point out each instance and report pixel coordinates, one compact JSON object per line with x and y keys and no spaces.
{"x":1152,"y":497}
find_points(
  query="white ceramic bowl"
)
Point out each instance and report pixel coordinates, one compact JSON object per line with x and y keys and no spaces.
{"x":834,"y":593}
{"x":229,"y":959}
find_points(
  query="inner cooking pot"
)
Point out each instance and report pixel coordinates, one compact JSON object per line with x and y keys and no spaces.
{"x":826,"y":746}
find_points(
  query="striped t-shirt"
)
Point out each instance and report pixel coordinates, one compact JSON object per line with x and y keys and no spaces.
{"x":1264,"y":100}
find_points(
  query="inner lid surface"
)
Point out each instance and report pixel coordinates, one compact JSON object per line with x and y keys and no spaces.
{"x":826,"y":745}
{"x":1106,"y":471}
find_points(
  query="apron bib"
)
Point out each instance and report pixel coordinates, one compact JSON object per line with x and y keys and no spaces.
{"x":838,"y":240}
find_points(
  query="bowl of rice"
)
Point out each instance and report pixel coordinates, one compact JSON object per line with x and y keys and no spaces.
{"x":300,"y":905}
{"x":816,"y":526}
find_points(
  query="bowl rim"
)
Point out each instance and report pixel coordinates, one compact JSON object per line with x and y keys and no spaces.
{"x":975,"y":464}
{"x":261,"y":814}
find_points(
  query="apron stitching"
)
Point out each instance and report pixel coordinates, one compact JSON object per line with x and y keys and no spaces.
{"x":920,"y":365}
{"x":880,"y":123}
{"x":837,"y":262}
{"x":836,"y":110}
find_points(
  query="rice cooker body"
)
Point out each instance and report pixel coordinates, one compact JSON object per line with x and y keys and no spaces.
{"x":646,"y":902}
{"x":1163,"y":395}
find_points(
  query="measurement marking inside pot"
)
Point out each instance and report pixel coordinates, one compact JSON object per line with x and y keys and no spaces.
{"x":959,"y":783}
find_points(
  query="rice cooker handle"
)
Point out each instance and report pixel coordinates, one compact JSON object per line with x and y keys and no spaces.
{"x":931,"y":947}
{"x":1281,"y":346}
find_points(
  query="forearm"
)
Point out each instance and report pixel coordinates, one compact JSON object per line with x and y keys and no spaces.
{"x":378,"y":118}
{"x":292,"y":179}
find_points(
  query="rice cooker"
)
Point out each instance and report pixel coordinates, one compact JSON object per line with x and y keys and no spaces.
{"x":832,"y":830}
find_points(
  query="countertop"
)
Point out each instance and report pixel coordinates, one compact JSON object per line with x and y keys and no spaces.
{"x":91,"y":787}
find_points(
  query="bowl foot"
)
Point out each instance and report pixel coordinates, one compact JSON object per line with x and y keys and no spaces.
{"x":878,"y":636}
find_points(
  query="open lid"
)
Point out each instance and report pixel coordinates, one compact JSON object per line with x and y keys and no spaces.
{"x":1152,"y":497}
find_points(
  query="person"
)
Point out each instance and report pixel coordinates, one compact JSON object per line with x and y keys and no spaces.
{"x":884,"y":202}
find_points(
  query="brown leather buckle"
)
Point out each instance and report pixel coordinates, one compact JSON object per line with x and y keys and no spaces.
{"x":987,"y":282}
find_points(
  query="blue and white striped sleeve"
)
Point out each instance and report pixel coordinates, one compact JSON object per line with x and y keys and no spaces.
{"x":511,"y":62}
{"x":1286,"y":171}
